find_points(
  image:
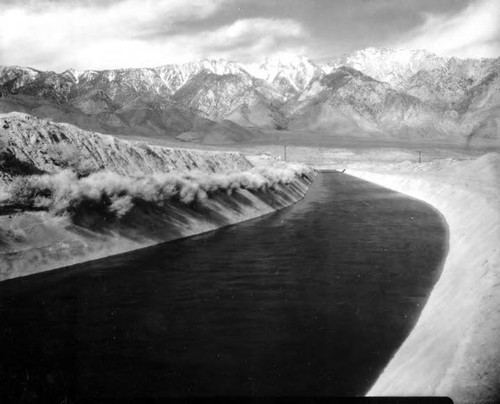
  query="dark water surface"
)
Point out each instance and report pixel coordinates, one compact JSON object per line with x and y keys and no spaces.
{"x":312,"y":300}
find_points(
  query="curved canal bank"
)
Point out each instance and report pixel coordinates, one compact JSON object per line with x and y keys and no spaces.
{"x":33,"y":242}
{"x":453,"y":349}
{"x":312,"y":300}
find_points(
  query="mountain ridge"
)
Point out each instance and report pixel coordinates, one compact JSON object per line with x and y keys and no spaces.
{"x":405,"y":93}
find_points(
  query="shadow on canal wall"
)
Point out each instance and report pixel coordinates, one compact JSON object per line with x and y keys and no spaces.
{"x":37,"y":241}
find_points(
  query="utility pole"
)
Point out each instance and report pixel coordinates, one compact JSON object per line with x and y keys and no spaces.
{"x":285,"y":150}
{"x":419,"y":157}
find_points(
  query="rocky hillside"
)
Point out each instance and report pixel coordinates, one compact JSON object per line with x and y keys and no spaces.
{"x":374,"y":91}
{"x":237,"y":97}
{"x":349,"y":101}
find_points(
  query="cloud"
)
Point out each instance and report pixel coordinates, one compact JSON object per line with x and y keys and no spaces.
{"x":243,"y":40}
{"x":248,"y":38}
{"x":91,"y":36}
{"x":52,"y":32}
{"x":472,"y":32}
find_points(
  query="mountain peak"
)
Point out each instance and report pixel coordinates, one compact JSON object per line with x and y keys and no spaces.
{"x":288,"y":72}
{"x":285,"y":59}
{"x":73,"y":74}
{"x":393,"y":66}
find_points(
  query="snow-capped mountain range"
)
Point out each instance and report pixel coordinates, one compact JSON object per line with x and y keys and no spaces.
{"x":379,"y":91}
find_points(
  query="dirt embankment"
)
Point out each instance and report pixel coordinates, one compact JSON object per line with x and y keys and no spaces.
{"x":69,"y":196}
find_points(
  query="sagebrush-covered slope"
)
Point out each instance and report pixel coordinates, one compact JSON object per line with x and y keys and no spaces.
{"x":69,"y":195}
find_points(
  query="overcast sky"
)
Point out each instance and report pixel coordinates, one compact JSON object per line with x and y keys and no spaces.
{"x":101,"y":34}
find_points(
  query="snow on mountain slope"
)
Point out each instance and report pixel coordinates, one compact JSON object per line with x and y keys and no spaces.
{"x":119,"y":86}
{"x":423,"y":94}
{"x":390,"y":66}
{"x":126,"y":102}
{"x":434,"y":79}
{"x":175,"y":76}
{"x":450,"y":84}
{"x":359,"y":102}
{"x":289,"y":74}
{"x":396,"y":66}
{"x":225,"y":96}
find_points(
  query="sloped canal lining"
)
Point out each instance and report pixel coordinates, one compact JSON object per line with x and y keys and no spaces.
{"x":312,"y":300}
